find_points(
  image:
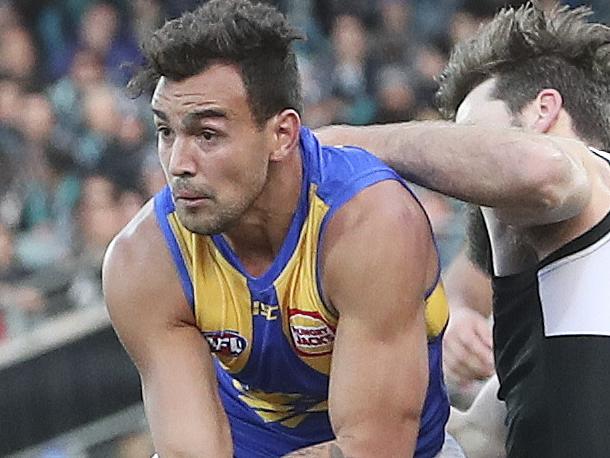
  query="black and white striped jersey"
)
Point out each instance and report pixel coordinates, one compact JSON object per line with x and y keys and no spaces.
{"x":552,"y":349}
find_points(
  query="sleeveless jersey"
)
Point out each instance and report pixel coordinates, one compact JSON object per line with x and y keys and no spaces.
{"x":272,"y":336}
{"x":566,"y":295}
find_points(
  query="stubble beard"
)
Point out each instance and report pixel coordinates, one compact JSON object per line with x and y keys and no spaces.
{"x":222,"y":217}
{"x":207,"y":223}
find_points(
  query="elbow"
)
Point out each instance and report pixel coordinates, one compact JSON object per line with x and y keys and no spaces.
{"x":559,"y":183}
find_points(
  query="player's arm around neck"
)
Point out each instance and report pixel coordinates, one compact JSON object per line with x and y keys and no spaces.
{"x":378,"y":260}
{"x":531,"y":178}
{"x":153,"y":320}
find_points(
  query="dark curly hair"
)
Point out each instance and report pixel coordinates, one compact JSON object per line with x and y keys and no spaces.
{"x":255,"y":37}
{"x":527,"y":50}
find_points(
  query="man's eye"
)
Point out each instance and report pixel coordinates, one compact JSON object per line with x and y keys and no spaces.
{"x":164,"y":132}
{"x":208,"y":135}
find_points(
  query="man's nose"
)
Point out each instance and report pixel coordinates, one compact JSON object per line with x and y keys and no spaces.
{"x":182,"y":160}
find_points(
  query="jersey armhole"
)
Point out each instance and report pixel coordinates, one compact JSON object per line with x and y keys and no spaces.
{"x":163,"y":207}
{"x":348,"y":192}
{"x":353,"y":188}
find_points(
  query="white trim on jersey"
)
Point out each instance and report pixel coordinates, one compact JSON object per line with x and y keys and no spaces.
{"x":601,"y":153}
{"x":575,"y":292}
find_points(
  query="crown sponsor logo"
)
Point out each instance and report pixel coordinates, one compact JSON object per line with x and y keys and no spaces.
{"x":311,"y":334}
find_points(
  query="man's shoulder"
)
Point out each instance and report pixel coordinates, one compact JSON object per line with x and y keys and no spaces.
{"x":345,"y":171}
{"x":138,"y":273}
{"x":136,"y":256}
{"x":381,"y":231}
{"x":138,"y":239}
{"x":334,"y":167}
{"x":349,"y":161}
{"x":386,"y":209}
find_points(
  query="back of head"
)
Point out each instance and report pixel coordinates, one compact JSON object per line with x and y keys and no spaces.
{"x":255,"y":37}
{"x":528,"y":50}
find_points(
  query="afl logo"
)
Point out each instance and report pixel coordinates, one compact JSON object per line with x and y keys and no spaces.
{"x":311,"y":334}
{"x":226,"y":343}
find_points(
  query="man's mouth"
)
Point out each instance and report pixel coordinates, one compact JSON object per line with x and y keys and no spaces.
{"x":190,"y":198}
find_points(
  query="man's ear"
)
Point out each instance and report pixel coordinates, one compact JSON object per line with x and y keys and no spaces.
{"x":545,"y":110}
{"x":286,"y":127}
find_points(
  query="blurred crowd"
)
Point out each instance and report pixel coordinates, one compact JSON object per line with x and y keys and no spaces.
{"x":77,"y":157}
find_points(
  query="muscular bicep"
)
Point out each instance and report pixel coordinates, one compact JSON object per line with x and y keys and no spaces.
{"x":153,"y":321}
{"x":379,"y":262}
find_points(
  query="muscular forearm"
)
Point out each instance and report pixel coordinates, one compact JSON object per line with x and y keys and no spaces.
{"x":488,"y":166}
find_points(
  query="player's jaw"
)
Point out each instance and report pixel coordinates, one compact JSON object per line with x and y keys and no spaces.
{"x":209,"y":212}
{"x":205,"y":216}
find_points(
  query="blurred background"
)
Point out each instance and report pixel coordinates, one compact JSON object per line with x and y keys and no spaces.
{"x":77,"y":160}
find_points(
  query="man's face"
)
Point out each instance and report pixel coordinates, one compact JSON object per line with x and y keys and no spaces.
{"x":214,"y":156}
{"x":480,"y":108}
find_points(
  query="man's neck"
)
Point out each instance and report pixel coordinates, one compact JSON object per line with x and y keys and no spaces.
{"x":260,"y":233}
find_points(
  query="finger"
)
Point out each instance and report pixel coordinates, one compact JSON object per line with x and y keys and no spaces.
{"x":458,"y":365}
{"x":482,"y":328}
{"x":452,"y":367}
{"x":481,"y":353}
{"x":472,"y":360}
{"x":474,"y":352}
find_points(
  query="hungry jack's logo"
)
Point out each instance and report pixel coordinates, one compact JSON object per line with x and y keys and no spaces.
{"x":311,"y":334}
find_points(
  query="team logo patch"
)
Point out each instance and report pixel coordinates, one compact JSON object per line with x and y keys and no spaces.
{"x":311,"y":334}
{"x":226,"y":343}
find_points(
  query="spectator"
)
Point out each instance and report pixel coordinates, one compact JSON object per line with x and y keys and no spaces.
{"x":18,"y":57}
{"x":48,"y":179}
{"x":351,"y":75}
{"x":11,"y":142}
{"x":100,"y":31}
{"x":19,"y":301}
{"x":9,"y":16}
{"x":428,"y":62}
{"x":86,"y":72}
{"x":147,"y":16}
{"x":103,"y":210}
{"x":393,"y":43}
{"x":116,"y":138}
{"x":101,"y":123}
{"x":396,"y":96}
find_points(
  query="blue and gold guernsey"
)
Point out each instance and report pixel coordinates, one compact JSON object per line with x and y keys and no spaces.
{"x":272,"y":336}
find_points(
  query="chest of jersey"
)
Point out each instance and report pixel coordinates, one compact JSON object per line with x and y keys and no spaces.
{"x":273,"y":324}
{"x":273,"y":336}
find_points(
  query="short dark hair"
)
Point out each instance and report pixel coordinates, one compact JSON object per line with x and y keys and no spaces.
{"x":528,"y":50}
{"x":257,"y":38}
